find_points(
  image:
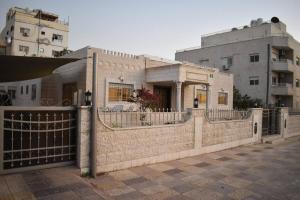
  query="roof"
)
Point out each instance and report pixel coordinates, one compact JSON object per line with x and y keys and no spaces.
{"x":156,"y":58}
{"x":19,"y":68}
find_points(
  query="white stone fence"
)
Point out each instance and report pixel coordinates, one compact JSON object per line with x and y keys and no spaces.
{"x":120,"y":148}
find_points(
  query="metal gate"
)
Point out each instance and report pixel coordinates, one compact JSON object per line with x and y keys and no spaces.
{"x":39,"y":137}
{"x":270,"y":122}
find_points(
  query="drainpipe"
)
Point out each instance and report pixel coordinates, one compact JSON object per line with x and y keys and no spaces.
{"x":93,"y":159}
{"x":268,"y":76}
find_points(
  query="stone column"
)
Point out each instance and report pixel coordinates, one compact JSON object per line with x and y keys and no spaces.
{"x":207,"y":96}
{"x":83,"y":138}
{"x":257,"y":123}
{"x":178,"y":95}
{"x":283,"y":120}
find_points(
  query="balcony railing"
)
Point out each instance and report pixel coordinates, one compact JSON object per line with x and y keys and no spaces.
{"x":283,"y":61}
{"x":282,"y":89}
{"x":287,"y":85}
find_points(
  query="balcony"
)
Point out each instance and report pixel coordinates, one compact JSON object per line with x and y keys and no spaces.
{"x":285,"y":89}
{"x":283,"y":65}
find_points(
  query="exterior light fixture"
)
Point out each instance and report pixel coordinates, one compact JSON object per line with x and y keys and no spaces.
{"x":121,"y":78}
{"x":134,"y":94}
{"x":196,"y":102}
{"x":88,"y":98}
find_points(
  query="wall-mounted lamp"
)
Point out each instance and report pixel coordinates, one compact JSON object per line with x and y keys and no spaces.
{"x":88,"y":98}
{"x":134,"y":94}
{"x":196,"y":102}
{"x":121,"y":78}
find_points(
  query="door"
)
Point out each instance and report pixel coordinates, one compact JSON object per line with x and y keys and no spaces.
{"x":68,"y":92}
{"x":270,"y":122}
{"x":164,"y":97}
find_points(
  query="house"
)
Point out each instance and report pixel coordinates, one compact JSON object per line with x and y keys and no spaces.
{"x":263,"y":56}
{"x":176,"y":83}
{"x":34,"y":33}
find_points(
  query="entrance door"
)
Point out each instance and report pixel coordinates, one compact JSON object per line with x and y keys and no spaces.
{"x":164,"y":97}
{"x":68,"y":91}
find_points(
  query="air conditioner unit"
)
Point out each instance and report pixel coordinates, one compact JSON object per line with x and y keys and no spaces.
{"x":225,"y":67}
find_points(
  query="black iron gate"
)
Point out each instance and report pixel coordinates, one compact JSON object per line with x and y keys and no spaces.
{"x":270,"y":122}
{"x":35,"y":139}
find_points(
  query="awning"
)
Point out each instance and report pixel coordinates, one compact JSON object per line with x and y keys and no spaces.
{"x":18,"y":68}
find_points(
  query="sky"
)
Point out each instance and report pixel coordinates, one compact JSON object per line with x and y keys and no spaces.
{"x":156,"y":27}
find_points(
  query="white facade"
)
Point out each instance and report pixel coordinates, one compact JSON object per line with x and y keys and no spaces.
{"x":180,"y":81}
{"x":247,"y":52}
{"x":34,"y":33}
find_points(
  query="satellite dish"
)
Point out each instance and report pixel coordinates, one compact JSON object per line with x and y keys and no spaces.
{"x":8,"y":40}
{"x":275,"y":20}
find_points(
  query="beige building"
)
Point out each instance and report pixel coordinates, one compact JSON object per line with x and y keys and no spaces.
{"x":34,"y":33}
{"x":263,"y":56}
{"x":119,"y":74}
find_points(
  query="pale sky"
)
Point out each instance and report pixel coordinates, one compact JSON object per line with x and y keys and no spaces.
{"x":156,"y":27}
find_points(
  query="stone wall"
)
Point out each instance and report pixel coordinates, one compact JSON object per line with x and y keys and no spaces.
{"x":226,"y":131}
{"x":121,"y":148}
{"x":293,"y":125}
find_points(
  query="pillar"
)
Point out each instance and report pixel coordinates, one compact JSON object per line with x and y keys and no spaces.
{"x":207,"y":96}
{"x":178,"y":96}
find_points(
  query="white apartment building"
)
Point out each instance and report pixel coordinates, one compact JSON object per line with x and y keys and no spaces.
{"x":263,"y":56}
{"x":34,"y":33}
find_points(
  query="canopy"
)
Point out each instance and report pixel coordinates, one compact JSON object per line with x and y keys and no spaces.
{"x":18,"y":68}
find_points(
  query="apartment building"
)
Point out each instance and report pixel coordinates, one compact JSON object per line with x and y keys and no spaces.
{"x":34,"y":33}
{"x":177,"y":84}
{"x":263,"y":56}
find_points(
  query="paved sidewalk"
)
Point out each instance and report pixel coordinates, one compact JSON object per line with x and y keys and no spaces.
{"x":263,"y":171}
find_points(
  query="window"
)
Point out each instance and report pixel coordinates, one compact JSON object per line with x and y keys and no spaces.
{"x":27,"y":89}
{"x":204,"y":61}
{"x":12,"y":92}
{"x":227,"y":62}
{"x":56,"y":37}
{"x":119,"y":91}
{"x":297,"y":82}
{"x":43,"y":32}
{"x":223,"y":98}
{"x":33,"y":92}
{"x":25,"y":31}
{"x":298,"y":61}
{"x":254,"y":58}
{"x":24,"y":49}
{"x":12,"y":28}
{"x":7,"y":32}
{"x":22,"y":90}
{"x":201,"y":96}
{"x":254,"y":80}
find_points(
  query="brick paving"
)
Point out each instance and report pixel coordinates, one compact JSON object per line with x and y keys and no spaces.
{"x":262,"y":171}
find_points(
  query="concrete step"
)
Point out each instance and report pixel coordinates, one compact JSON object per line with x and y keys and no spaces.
{"x":272,"y":139}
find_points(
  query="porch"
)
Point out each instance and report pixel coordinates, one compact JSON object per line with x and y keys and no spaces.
{"x":177,"y":85}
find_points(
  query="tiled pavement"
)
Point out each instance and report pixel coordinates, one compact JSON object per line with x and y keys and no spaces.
{"x":263,"y":171}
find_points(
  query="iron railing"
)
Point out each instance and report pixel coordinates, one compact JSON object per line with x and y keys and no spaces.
{"x":33,"y":138}
{"x":126,"y":119}
{"x":270,"y":122}
{"x":223,"y":115}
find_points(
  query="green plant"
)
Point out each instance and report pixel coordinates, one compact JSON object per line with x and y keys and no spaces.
{"x":244,"y":101}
